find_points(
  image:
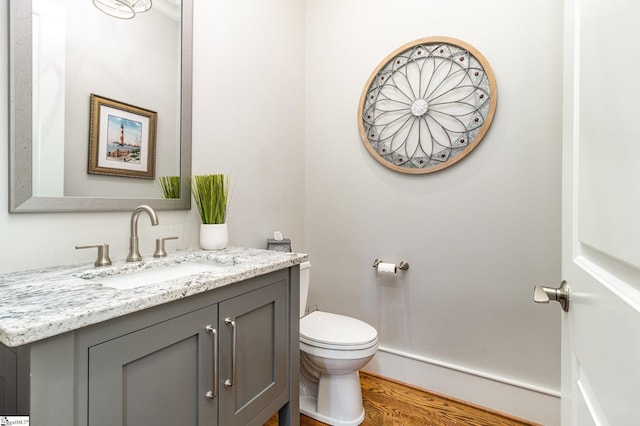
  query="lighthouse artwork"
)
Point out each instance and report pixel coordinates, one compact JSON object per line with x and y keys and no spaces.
{"x":122,"y":139}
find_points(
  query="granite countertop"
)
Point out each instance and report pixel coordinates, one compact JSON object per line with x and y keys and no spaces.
{"x":42,"y":303}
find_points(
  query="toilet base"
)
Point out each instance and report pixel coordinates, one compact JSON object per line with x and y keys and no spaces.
{"x":335,"y":399}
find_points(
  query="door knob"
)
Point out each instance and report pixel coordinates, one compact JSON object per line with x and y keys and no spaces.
{"x":543,"y":294}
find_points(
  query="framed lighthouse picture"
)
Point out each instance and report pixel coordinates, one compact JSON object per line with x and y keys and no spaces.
{"x":122,"y":139}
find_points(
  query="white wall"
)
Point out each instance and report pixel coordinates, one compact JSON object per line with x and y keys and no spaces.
{"x":477,"y":236}
{"x":248,"y":120}
{"x":249,"y":112}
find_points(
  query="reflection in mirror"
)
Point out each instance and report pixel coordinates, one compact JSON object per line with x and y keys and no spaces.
{"x":62,"y":52}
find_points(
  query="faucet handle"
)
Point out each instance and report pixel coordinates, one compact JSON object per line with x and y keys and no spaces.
{"x":160,"y":251}
{"x":103,"y":254}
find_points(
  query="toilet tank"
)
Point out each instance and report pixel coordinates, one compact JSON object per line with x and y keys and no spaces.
{"x":305,"y":268}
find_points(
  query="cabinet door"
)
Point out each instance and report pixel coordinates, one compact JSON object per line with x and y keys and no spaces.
{"x":259,"y":359}
{"x":14,"y":380}
{"x":155,"y":376}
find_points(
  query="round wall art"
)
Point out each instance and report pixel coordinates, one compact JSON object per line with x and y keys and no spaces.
{"x":427,"y":105}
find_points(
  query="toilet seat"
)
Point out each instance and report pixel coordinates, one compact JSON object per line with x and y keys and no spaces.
{"x":325,"y":330}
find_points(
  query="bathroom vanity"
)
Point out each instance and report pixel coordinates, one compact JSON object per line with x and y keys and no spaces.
{"x":210,"y":338}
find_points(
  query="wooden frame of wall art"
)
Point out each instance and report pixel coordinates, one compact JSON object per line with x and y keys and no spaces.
{"x":122,"y":139}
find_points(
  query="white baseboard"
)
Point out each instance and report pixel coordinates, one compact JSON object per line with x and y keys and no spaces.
{"x":501,"y":394}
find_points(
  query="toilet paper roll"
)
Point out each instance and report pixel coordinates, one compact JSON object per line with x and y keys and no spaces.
{"x":386,"y":268}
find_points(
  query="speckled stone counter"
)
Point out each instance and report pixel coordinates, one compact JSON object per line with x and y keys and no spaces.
{"x":38,"y":304}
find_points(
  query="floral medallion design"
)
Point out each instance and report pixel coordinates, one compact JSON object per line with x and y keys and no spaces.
{"x":427,"y":105}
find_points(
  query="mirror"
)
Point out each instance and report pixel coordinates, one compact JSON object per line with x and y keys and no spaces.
{"x":64,"y":54}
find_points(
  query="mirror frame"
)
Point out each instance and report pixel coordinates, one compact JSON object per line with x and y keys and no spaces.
{"x":21,"y":198}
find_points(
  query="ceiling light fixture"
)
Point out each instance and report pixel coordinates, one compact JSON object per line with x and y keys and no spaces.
{"x":123,"y":9}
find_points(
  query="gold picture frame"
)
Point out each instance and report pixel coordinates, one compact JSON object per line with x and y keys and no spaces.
{"x":122,"y":139}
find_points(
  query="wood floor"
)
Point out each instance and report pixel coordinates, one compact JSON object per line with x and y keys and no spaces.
{"x":390,"y":403}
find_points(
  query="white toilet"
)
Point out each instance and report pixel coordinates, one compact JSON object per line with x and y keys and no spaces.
{"x":332,"y":349}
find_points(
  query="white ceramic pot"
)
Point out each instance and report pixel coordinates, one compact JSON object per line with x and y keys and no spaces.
{"x":214,"y":236}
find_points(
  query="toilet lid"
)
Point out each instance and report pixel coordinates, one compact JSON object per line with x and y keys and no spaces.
{"x":325,"y":329}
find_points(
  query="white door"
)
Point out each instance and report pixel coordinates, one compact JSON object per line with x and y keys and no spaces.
{"x":601,"y":213}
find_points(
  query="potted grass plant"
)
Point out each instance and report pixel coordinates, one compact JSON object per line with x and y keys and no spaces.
{"x":211,"y":195}
{"x":170,"y":186}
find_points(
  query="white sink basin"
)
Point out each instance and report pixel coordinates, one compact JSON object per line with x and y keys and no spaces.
{"x":154,"y":275}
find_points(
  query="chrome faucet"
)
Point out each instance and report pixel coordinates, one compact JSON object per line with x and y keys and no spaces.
{"x":134,"y":252}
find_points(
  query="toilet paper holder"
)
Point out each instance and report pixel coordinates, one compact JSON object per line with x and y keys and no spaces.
{"x":403,"y":265}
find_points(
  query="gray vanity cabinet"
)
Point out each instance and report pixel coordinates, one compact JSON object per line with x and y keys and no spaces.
{"x":224,"y":364}
{"x":253,"y":370}
{"x":216,"y":349}
{"x":14,"y":381}
{"x":155,"y":376}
